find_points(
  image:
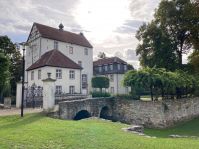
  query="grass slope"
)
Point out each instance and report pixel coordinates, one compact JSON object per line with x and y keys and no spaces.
{"x":190,"y":128}
{"x":37,"y":131}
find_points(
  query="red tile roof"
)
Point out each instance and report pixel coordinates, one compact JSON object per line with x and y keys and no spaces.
{"x":110,"y":60}
{"x":54,"y":58}
{"x":61,"y":35}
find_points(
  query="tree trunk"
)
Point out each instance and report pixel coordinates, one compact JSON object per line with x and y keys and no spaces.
{"x":151,"y":90}
{"x":180,"y":58}
{"x":162,"y":90}
{"x":101,"y":90}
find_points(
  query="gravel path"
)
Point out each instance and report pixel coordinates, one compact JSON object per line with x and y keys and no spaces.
{"x":15,"y":111}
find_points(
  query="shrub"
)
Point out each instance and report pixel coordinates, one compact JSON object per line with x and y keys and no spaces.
{"x":100,"y":82}
{"x":127,"y":96}
{"x":100,"y":94}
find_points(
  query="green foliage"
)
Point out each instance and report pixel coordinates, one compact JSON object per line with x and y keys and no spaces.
{"x":100,"y":94}
{"x":127,"y":96}
{"x":194,"y":61}
{"x":173,"y":32}
{"x":130,"y":67}
{"x":100,"y":82}
{"x":102,"y":55}
{"x":162,"y":82}
{"x":15,"y":58}
{"x":4,"y":73}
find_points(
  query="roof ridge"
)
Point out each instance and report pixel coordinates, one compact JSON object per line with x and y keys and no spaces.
{"x":56,"y":28}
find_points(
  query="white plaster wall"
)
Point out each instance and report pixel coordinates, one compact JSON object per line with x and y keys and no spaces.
{"x":65,"y":82}
{"x":78,"y":55}
{"x":117,"y":84}
{"x":42,"y":45}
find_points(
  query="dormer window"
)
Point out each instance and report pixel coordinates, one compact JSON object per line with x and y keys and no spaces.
{"x":56,"y":46}
{"x":106,"y":67}
{"x":118,"y":66}
{"x":125,"y":67}
{"x":111,"y":67}
{"x":100,"y":69}
{"x":71,"y":50}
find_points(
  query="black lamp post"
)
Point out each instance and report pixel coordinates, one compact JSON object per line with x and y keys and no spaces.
{"x":23,"y":69}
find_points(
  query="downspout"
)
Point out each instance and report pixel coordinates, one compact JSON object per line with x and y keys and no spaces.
{"x":117,"y":83}
{"x":40,"y":48}
{"x":80,"y":81}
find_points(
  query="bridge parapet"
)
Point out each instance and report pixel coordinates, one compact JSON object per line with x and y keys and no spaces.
{"x":69,"y":109}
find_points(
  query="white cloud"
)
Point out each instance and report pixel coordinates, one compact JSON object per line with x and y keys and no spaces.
{"x":110,"y":25}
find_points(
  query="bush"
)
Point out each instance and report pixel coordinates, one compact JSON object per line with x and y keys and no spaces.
{"x":127,"y":96}
{"x":100,"y":82}
{"x":99,"y":94}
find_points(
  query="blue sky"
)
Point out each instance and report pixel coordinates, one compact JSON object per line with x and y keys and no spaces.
{"x":110,"y":25}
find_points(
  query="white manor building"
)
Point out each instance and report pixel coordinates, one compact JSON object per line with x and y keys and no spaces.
{"x":67,"y":56}
{"x":114,"y":68}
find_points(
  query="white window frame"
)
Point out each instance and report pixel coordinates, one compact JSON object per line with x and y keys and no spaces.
{"x":72,"y":74}
{"x":58,"y":89}
{"x":106,"y":68}
{"x":118,"y":66}
{"x":85,"y":51}
{"x":111,"y":77}
{"x":39,"y":74}
{"x":112,"y":90}
{"x":56,"y":45}
{"x":71,"y":89}
{"x":125,"y":67}
{"x":84,"y":78}
{"x":100,"y":68}
{"x":70,"y":50}
{"x":58,"y":73}
{"x":32,"y":75}
{"x":111,"y":66}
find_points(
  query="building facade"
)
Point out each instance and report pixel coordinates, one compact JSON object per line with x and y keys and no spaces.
{"x":75,"y":47}
{"x":113,"y":68}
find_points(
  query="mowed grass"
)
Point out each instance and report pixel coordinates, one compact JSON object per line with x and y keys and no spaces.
{"x":190,"y":129}
{"x":38,"y":131}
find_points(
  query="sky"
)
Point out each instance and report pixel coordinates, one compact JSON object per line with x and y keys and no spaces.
{"x":109,"y":25}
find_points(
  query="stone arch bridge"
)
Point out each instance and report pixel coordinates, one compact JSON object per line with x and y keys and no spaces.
{"x":78,"y":109}
{"x":150,"y":114}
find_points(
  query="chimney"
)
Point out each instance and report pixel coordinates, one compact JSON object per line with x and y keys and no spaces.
{"x":61,"y":27}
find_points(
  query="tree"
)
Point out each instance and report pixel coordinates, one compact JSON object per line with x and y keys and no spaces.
{"x":194,"y":61}
{"x":155,"y":49}
{"x":130,"y":67}
{"x":161,"y":82}
{"x":4,"y":73}
{"x":173,"y":32}
{"x":100,"y":82}
{"x":15,"y":58}
{"x":102,"y":55}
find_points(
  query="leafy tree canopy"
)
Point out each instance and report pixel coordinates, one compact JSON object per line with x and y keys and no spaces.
{"x":162,"y":82}
{"x":173,"y":32}
{"x":100,"y":82}
{"x":10,"y":50}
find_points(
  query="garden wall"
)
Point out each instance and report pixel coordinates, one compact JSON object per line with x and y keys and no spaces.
{"x":155,"y":114}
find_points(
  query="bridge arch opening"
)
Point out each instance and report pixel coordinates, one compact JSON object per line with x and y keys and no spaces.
{"x":81,"y":115}
{"x":105,"y":113}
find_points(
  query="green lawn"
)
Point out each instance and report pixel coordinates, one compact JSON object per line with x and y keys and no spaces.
{"x":37,"y":131}
{"x":190,"y":128}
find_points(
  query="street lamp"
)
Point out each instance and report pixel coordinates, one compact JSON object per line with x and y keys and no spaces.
{"x":23,"y":69}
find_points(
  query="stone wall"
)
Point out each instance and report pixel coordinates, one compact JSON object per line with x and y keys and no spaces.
{"x":150,"y":114}
{"x":155,"y":114}
{"x":68,"y":109}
